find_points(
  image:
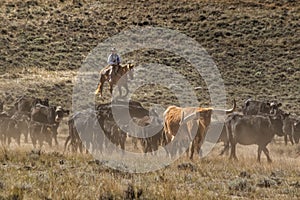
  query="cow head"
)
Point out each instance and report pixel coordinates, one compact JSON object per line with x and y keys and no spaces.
{"x":265,"y":107}
{"x":274,"y":107}
{"x":60,"y":113}
{"x":45,"y":102}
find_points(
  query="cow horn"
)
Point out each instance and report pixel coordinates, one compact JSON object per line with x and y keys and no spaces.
{"x":227,"y":111}
{"x":192,"y":116}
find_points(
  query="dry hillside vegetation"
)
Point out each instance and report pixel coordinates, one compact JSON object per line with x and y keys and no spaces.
{"x":255,"y":45}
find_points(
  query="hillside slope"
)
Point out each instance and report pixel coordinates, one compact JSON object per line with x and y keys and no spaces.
{"x":255,"y":44}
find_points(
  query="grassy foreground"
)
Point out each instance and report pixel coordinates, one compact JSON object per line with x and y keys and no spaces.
{"x":31,"y":174}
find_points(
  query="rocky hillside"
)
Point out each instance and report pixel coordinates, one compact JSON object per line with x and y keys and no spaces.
{"x":255,"y":44}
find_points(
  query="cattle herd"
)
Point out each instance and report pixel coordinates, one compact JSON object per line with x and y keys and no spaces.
{"x":180,"y":130}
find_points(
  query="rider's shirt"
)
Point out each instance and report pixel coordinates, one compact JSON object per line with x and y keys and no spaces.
{"x":113,"y":59}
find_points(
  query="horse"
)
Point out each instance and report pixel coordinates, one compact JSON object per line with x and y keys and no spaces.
{"x":118,"y":78}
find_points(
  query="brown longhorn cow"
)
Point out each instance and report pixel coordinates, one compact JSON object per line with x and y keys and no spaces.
{"x":185,"y":125}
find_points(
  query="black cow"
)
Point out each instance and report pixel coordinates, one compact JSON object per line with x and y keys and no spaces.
{"x":287,"y":127}
{"x":253,"y":129}
{"x":24,"y":104}
{"x":100,"y":126}
{"x":49,"y":115}
{"x":82,"y":127}
{"x":40,"y":132}
{"x":284,"y":127}
{"x":115,"y":136}
{"x":9,"y":130}
{"x":23,"y":124}
{"x":254,"y":107}
{"x":73,"y":137}
{"x":144,"y":127}
{"x":107,"y":111}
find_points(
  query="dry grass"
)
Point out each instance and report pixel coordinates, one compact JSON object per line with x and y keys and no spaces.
{"x":255,"y":45}
{"x":52,"y":175}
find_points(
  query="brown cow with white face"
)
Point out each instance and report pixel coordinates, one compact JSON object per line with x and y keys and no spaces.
{"x":184,"y":125}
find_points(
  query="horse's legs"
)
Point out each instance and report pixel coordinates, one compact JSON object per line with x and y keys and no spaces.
{"x":100,"y":86}
{"x":111,"y":88}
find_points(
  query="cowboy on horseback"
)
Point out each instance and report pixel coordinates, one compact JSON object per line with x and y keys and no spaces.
{"x":114,"y":61}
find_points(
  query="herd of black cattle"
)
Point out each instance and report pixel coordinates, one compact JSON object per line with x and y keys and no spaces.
{"x":96,"y":129}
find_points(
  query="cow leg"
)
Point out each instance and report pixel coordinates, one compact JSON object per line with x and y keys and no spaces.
{"x":73,"y":145}
{"x":233,"y":151}
{"x":196,"y":145}
{"x":143,"y":143}
{"x":99,"y":142}
{"x":266,"y":151}
{"x":122,"y":143}
{"x":54,"y":135}
{"x":48,"y":139}
{"x":55,"y":139}
{"x":18,"y":139}
{"x":259,"y":150}
{"x":148,"y":145}
{"x":26,"y":136}
{"x":111,"y":87}
{"x":192,"y":149}
{"x":187,"y":151}
{"x":41,"y":142}
{"x":225,"y":149}
{"x":291,"y":139}
{"x":80,"y":146}
{"x":154,"y":148}
{"x":174,"y":149}
{"x":8,"y":140}
{"x":134,"y":141}
{"x":285,"y":139}
{"x":33,"y":138}
{"x":87,"y":145}
{"x":33,"y":142}
{"x":66,"y":142}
